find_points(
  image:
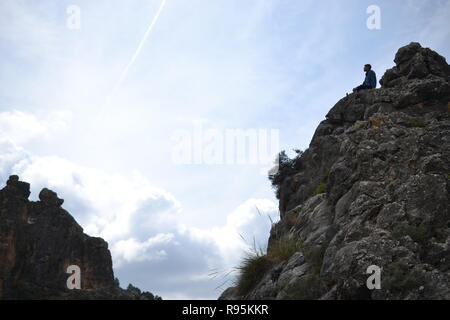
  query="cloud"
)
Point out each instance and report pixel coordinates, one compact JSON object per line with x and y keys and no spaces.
{"x":10,"y":156}
{"x":199,"y":263}
{"x":181,"y":274}
{"x":131,"y":250}
{"x":246,"y":227}
{"x":22,"y":127}
{"x":110,"y":199}
{"x":140,"y":221}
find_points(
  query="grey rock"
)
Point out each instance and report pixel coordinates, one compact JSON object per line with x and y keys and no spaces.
{"x":381,"y":163}
{"x":39,"y":240}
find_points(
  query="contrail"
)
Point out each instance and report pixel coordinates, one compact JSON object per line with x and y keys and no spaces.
{"x":141,"y":44}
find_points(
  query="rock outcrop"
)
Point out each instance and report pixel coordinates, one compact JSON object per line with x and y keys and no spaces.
{"x":372,"y":189}
{"x":39,"y":240}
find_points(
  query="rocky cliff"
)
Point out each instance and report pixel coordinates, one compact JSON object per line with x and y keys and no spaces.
{"x":372,"y":189}
{"x":39,"y":240}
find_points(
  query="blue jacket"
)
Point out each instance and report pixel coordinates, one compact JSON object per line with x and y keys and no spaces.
{"x":371,"y":79}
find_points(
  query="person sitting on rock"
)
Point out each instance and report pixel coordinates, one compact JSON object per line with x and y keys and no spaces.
{"x":370,"y":81}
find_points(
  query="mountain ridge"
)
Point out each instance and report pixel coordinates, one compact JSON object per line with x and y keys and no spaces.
{"x":372,"y":189}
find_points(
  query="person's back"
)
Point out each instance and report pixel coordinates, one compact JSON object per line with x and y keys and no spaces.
{"x":370,"y":81}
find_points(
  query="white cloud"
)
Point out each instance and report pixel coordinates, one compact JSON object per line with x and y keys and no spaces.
{"x":131,"y":250}
{"x":10,"y":156}
{"x":104,"y":202}
{"x":246,"y":227}
{"x":139,"y":221}
{"x":22,"y":127}
{"x":199,"y":263}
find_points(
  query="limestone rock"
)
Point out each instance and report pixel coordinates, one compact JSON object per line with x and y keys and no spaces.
{"x":39,"y":240}
{"x":371,"y":189}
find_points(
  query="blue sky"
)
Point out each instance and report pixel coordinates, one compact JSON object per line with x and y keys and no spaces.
{"x":107,"y":146}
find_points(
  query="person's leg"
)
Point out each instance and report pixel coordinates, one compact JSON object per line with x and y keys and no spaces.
{"x":357,"y":88}
{"x":361,"y":87}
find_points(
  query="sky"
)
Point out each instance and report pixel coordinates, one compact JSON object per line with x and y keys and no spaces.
{"x":130,"y":110}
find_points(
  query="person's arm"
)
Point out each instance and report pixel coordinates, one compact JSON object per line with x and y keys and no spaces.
{"x":373,"y":79}
{"x":366,"y":79}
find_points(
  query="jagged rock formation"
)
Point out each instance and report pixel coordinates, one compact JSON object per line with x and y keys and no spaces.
{"x":371,"y":189}
{"x":39,"y":240}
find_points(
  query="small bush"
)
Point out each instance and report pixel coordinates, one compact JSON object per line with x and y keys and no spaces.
{"x":321,"y":188}
{"x":314,"y":256}
{"x":379,"y":121}
{"x":282,"y":249}
{"x":420,"y":233}
{"x":305,"y":288}
{"x":286,"y":167}
{"x":399,"y":277}
{"x":251,"y":271}
{"x":151,"y":296}
{"x":255,"y":264}
{"x":291,"y":218}
{"x":416,"y":123}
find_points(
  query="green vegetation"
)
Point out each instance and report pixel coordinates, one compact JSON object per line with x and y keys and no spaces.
{"x":400,"y":277}
{"x":148,"y":295}
{"x":321,"y":188}
{"x":419,"y":233}
{"x":305,"y":288}
{"x":447,"y":175}
{"x":283,"y":249}
{"x":285,"y":167}
{"x":314,"y":256}
{"x":416,"y":123}
{"x":255,"y":265}
{"x":291,"y":218}
{"x":379,"y":121}
{"x":251,"y":271}
{"x":308,"y":287}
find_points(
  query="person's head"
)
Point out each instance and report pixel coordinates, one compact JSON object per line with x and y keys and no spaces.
{"x":367,"y":67}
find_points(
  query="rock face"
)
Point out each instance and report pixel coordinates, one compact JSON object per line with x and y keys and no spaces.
{"x":39,"y":240}
{"x":371,"y":189}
